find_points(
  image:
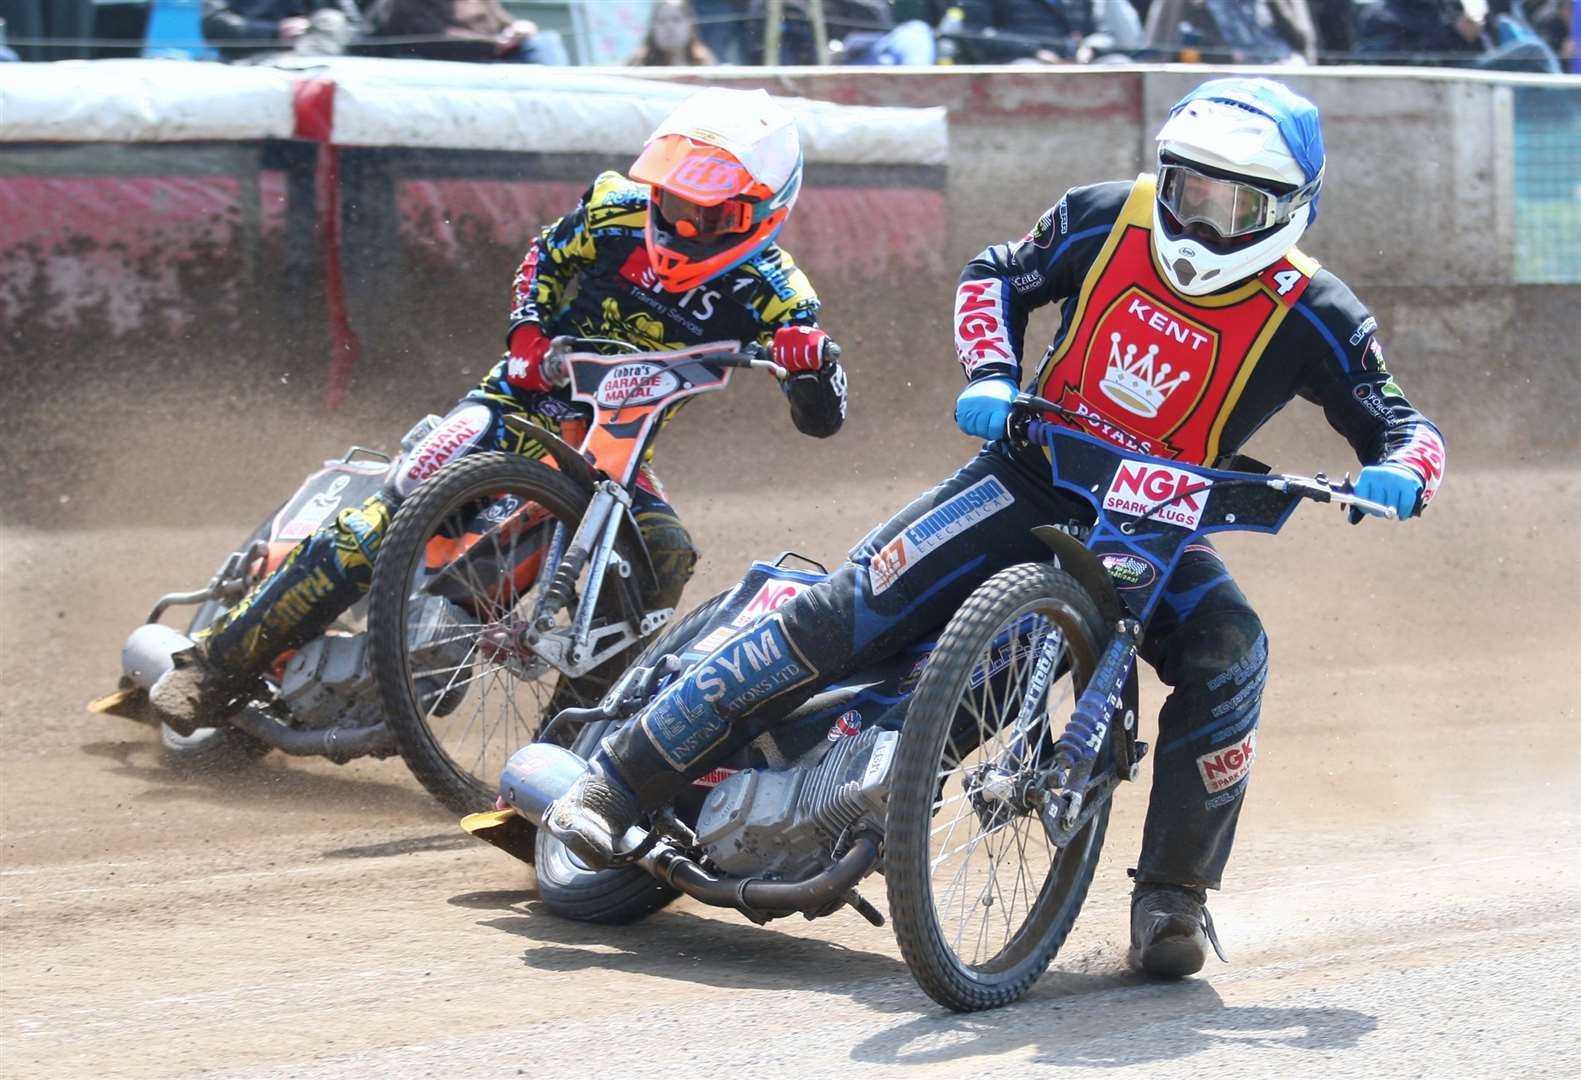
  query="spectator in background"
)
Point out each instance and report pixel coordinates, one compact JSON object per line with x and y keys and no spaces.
{"x":1012,"y":31}
{"x":1572,"y":49}
{"x":1428,"y":32}
{"x":859,"y":32}
{"x":1335,"y":23}
{"x":722,"y":24}
{"x":1232,"y":31}
{"x":1045,"y":31}
{"x":473,"y":30}
{"x":672,"y":39}
{"x":243,"y":29}
{"x":900,"y":34}
{"x":1550,"y":19}
{"x":1449,"y":33}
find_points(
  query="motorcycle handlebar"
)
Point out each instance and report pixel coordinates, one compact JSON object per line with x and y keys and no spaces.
{"x":557,"y":370}
{"x":1026,"y":408}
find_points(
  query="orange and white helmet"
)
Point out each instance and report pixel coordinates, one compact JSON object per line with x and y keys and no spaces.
{"x":725,"y":169}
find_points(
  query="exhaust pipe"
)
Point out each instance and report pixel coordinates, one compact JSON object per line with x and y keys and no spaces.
{"x":761,"y":900}
{"x":338,"y":744}
{"x":144,"y":658}
{"x":540,"y":773}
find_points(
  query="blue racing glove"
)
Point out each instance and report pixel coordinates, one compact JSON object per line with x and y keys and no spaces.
{"x":984,"y":406}
{"x":1390,"y":485}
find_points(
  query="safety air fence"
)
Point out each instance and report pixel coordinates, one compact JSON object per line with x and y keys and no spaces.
{"x":349,"y":221}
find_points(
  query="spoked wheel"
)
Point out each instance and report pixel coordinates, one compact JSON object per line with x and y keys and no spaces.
{"x":981,"y":899}
{"x":455,"y":583}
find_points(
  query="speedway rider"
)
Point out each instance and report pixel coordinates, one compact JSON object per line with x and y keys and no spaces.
{"x":1189,"y":317}
{"x":680,"y":252}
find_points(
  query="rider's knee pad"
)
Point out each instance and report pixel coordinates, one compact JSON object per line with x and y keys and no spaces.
{"x":1220,"y":665}
{"x":671,"y":549}
{"x":359,"y":532}
{"x":1224,"y":641}
{"x":697,"y":714}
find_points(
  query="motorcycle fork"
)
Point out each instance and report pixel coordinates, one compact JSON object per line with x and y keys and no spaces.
{"x":1070,"y":797}
{"x":581,"y":647}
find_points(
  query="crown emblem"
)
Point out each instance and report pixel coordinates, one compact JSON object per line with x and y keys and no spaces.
{"x":1133,"y":383}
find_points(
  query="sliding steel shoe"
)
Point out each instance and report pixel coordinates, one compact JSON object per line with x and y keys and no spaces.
{"x":192,"y":694}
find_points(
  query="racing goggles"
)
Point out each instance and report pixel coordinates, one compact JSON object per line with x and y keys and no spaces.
{"x":693,"y":219}
{"x":1228,"y":207}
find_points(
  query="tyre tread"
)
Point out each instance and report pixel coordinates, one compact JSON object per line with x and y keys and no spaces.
{"x":906,"y":862}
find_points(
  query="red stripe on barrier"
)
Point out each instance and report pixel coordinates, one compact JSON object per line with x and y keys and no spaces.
{"x":315,"y":119}
{"x":314,"y":107}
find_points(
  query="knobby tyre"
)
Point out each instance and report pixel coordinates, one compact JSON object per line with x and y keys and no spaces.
{"x":980,"y":900}
{"x":621,"y":895}
{"x":463,"y":584}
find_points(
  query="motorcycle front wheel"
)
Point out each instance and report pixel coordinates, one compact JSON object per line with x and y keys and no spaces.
{"x":455,"y":581}
{"x":980,"y":899}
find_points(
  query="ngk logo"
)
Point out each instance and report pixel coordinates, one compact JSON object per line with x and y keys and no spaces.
{"x":1140,"y":487}
{"x":1228,"y":767}
{"x":768,"y":598}
{"x":980,"y":335}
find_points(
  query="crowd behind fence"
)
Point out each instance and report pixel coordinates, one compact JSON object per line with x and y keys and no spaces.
{"x":1511,"y":35}
{"x":1465,"y":33}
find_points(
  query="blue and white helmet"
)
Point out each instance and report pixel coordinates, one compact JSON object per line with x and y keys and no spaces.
{"x":1240,"y":165}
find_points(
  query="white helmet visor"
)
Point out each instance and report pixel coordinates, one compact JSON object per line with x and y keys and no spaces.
{"x":1230,"y":208}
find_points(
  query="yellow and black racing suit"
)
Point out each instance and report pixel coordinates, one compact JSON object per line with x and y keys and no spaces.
{"x":587,"y":274}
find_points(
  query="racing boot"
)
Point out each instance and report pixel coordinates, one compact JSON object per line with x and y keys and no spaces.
{"x":591,"y":817}
{"x":319,"y":579}
{"x":1170,"y":930}
{"x":192,"y":694}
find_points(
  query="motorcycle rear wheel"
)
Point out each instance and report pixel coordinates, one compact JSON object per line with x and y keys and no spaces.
{"x":490,"y":688}
{"x":619,"y":895}
{"x":953,"y":731}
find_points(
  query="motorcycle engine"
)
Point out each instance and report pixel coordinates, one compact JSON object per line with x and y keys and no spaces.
{"x":784,"y":822}
{"x":328,"y":680}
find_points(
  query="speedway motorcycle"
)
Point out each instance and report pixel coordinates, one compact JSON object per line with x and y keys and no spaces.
{"x":975,"y":770}
{"x":503,"y":590}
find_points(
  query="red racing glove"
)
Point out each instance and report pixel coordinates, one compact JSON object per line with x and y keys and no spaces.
{"x":524,"y":365}
{"x":798,"y":349}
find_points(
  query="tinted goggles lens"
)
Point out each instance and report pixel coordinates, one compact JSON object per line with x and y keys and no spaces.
{"x":1227,"y":207}
{"x":691,"y":220}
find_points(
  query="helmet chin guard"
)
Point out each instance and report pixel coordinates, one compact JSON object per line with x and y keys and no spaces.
{"x":1252,"y":132}
{"x":1195,"y":269}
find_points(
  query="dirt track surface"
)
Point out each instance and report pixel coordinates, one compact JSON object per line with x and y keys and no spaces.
{"x":1405,"y":899}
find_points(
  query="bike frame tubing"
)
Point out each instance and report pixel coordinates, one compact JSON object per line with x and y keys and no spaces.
{"x":613,"y":494}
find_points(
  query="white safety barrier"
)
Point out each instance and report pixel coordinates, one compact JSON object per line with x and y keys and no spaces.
{"x":411,"y":103}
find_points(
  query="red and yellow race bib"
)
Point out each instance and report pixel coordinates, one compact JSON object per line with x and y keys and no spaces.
{"x":1155,"y":371}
